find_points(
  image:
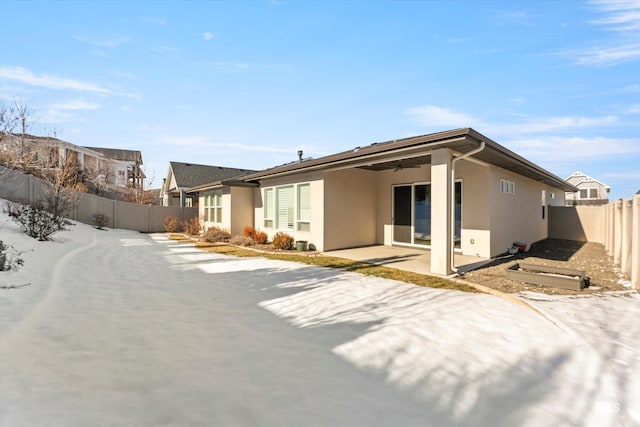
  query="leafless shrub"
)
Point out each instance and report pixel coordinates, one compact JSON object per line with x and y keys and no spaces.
{"x":172,"y":224}
{"x":242,"y":241}
{"x":192,"y":227}
{"x":100,"y":220}
{"x":282,"y":241}
{"x":215,"y":234}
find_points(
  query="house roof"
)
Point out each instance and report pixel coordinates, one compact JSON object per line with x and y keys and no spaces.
{"x":417,"y":150}
{"x":188,"y":175}
{"x":120,"y":154}
{"x":52,"y":141}
{"x":578,"y":178}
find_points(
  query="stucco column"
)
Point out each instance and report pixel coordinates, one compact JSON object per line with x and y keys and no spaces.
{"x":441,"y":212}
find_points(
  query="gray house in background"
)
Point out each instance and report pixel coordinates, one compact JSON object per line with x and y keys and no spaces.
{"x":182,"y":176}
{"x":590,"y":191}
{"x":133,"y":159}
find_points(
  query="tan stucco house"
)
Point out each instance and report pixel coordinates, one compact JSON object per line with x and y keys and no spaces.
{"x":183,"y":176}
{"x":453,"y":191}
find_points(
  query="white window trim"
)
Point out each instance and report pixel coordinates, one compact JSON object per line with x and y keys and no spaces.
{"x":301,"y":222}
{"x":270,"y":219}
{"x":213,"y":206}
{"x":507,"y":186}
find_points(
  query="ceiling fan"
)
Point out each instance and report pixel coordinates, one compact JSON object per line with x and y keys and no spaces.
{"x":400,"y":166}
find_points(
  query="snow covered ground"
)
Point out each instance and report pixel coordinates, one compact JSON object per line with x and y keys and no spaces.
{"x":118,"y":328}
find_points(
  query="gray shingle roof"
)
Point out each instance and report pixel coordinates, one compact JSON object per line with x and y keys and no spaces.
{"x":189,"y":175}
{"x":119,"y":154}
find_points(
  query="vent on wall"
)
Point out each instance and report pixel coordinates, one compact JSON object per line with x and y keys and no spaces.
{"x":507,"y":187}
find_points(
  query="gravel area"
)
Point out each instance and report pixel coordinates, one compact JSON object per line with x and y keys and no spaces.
{"x":590,"y":257}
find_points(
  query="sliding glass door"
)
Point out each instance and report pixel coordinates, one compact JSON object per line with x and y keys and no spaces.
{"x":412,"y":214}
{"x":402,"y":214}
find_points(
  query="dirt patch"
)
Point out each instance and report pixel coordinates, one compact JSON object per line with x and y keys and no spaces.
{"x":590,"y":257}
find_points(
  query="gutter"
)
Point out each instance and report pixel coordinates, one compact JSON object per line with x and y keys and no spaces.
{"x":452,"y":218}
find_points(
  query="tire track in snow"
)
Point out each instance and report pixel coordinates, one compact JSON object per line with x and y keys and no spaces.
{"x":38,"y":308}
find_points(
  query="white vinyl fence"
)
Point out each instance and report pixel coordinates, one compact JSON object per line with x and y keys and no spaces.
{"x":616,"y":226}
{"x":19,"y":187}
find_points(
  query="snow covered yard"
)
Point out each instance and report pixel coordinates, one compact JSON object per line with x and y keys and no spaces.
{"x":118,"y":329}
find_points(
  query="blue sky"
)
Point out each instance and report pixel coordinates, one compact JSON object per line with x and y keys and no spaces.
{"x":248,"y":83}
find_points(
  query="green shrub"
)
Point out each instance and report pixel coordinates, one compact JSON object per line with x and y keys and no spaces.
{"x":215,"y":234}
{"x":283,"y":241}
{"x":37,"y":222}
{"x":172,"y":224}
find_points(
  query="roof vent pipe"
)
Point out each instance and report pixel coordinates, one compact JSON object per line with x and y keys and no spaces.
{"x":300,"y":155}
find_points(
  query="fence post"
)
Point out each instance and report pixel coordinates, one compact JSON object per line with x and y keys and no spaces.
{"x":30,"y":190}
{"x":635,"y":242}
{"x":625,"y":259}
{"x":612,"y":228}
{"x":617,"y":238}
{"x":605,"y":239}
{"x":115,"y":213}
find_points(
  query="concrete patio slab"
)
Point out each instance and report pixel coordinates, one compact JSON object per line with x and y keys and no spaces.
{"x":405,"y":258}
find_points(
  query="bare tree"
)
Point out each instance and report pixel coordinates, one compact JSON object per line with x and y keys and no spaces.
{"x":140,"y":195}
{"x":99,"y":175}
{"x":24,"y":116}
{"x":60,"y":171}
{"x":15,"y":121}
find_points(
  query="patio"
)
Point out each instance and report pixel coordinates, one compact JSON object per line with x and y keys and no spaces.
{"x":405,"y":258}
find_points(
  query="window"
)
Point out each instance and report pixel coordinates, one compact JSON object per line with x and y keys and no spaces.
{"x":288,"y":207}
{"x":213,"y":206}
{"x":583,"y":194}
{"x":268,"y":208}
{"x":304,"y":208}
{"x":284,"y":208}
{"x":507,"y":187}
{"x":593,"y":193}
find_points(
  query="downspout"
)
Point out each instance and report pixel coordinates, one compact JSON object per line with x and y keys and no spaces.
{"x":453,"y":201}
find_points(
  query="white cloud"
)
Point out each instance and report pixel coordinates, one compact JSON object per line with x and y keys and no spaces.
{"x":108,"y":43}
{"x":607,"y":56}
{"x":149,"y":127}
{"x":434,"y":116}
{"x":76,"y":104}
{"x":557,"y":149}
{"x":200,"y":142}
{"x":163,"y":49}
{"x":550,"y":124}
{"x":623,"y":15}
{"x":25,"y":76}
{"x":627,"y":176}
{"x":633,"y":109}
{"x":154,"y":20}
{"x":208,"y":36}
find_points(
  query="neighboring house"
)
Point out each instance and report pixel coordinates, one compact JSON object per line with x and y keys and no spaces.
{"x":448,"y":191}
{"x":182,"y":176}
{"x":132,"y":158}
{"x":45,"y":151}
{"x":590,"y":191}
